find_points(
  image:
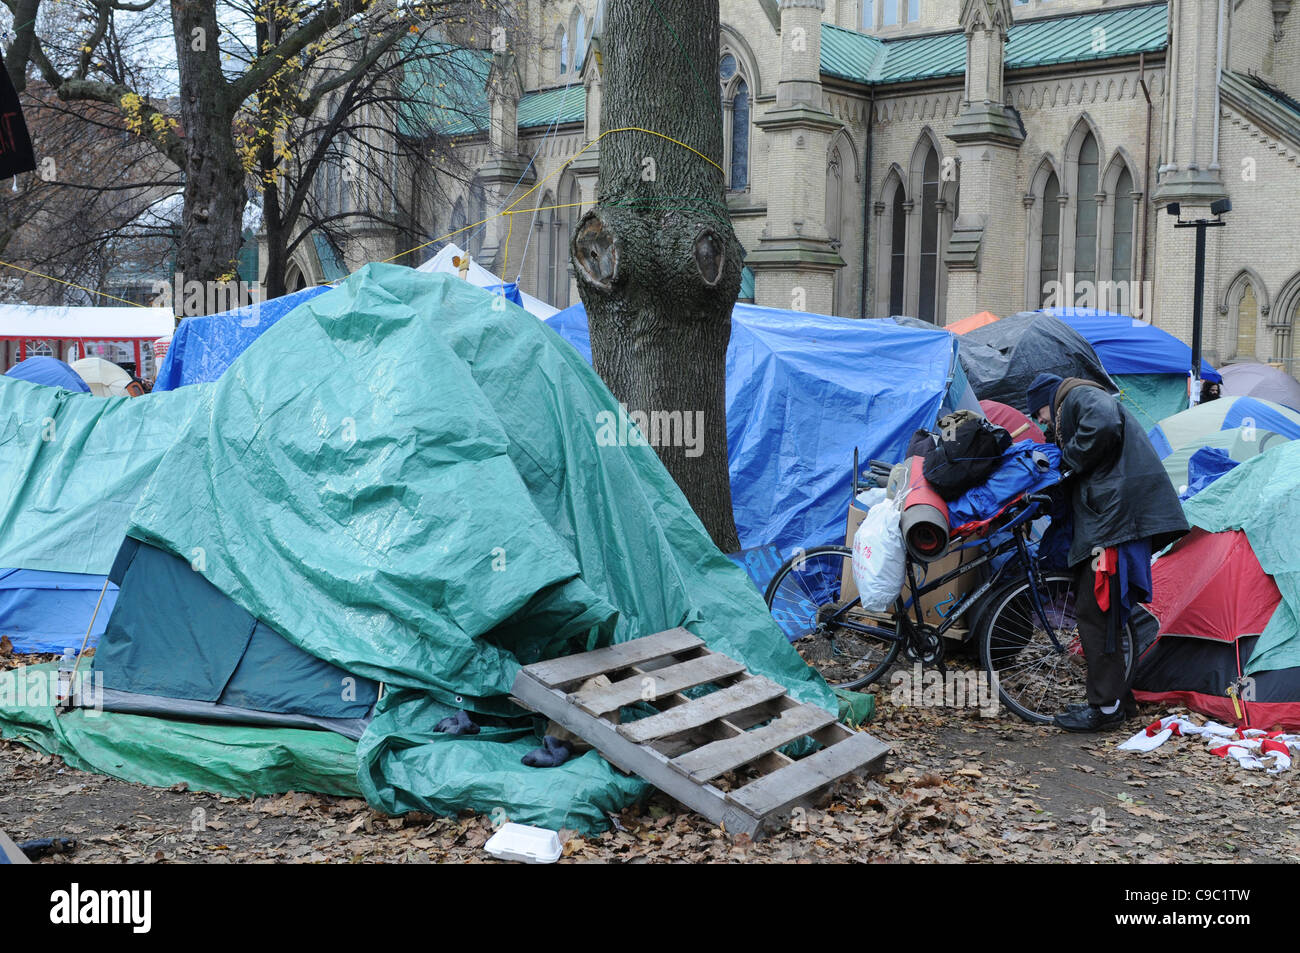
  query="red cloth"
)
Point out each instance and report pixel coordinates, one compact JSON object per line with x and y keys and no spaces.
{"x":1107,"y":563}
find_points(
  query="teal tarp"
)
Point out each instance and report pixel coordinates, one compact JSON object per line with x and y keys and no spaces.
{"x":72,"y":467}
{"x":403,"y":477}
{"x":1152,"y":397}
{"x":1262,"y":497}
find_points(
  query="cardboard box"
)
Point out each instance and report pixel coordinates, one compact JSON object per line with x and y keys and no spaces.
{"x":946,"y":597}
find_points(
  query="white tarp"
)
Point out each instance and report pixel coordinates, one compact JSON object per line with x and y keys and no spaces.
{"x":92,"y":324}
{"x":480,"y":276}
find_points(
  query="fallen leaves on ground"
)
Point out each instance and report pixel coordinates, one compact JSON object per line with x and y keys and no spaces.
{"x":957,"y":787}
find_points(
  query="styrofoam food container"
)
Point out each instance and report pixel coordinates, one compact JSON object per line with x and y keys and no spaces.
{"x":532,"y":845}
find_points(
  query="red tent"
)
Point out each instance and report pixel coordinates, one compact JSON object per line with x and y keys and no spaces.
{"x":1012,"y":420}
{"x":1213,"y":600}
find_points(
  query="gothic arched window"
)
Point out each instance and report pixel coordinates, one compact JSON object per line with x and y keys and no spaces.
{"x":898,"y":251}
{"x":1085,"y":224}
{"x":579,"y":30}
{"x":1121,"y":267}
{"x":736,"y":105}
{"x":926,"y":303}
{"x":1049,"y":259}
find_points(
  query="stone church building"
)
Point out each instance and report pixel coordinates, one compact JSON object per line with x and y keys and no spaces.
{"x":937,"y":158}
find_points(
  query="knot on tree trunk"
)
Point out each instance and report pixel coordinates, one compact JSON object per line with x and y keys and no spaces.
{"x":672,"y":254}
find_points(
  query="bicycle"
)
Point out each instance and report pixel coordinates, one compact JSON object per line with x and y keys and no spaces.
{"x":1023,"y":616}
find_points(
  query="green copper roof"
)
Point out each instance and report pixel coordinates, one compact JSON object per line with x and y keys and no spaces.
{"x":548,"y":106}
{"x":444,"y":91}
{"x":463,"y":110}
{"x":1069,"y":39}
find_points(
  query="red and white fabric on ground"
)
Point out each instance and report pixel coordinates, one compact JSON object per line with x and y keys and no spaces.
{"x":1252,"y":748}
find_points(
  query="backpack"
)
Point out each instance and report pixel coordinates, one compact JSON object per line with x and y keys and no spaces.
{"x":969,"y":450}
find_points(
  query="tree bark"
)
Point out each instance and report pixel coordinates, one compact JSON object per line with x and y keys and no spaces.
{"x":215,"y":190}
{"x":658,"y":264}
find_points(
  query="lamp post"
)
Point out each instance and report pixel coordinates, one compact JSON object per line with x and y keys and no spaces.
{"x":1198,"y":283}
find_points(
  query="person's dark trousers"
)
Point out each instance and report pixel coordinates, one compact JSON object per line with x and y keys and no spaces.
{"x":1105,"y":670}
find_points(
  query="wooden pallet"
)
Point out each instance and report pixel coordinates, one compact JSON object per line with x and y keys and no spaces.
{"x":692,"y":742}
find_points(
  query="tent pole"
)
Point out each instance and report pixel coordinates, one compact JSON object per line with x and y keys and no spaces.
{"x":90,"y":628}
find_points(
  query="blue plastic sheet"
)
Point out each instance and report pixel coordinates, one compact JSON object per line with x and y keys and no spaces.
{"x":1018,"y":473}
{"x":48,"y":611}
{"x":1205,"y":466}
{"x":803,"y":390}
{"x":49,"y":371}
{"x":511,"y":291}
{"x":203,"y":347}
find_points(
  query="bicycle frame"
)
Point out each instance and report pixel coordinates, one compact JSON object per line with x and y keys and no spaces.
{"x":904,"y":630}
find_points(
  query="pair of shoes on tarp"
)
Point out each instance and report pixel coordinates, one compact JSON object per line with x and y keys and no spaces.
{"x":551,"y":754}
{"x":1088,"y":717}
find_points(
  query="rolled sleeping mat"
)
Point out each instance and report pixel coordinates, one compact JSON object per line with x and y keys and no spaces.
{"x":924,"y":520}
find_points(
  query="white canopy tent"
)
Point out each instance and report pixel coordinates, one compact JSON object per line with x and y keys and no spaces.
{"x":480,"y":276}
{"x":31,"y":321}
{"x":28,"y":329}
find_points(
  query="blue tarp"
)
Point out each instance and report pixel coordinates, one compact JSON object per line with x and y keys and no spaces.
{"x":1018,"y":473}
{"x":1205,"y":466}
{"x":203,"y":347}
{"x":48,"y":611}
{"x":511,"y":292}
{"x":49,"y":371}
{"x":1126,"y":345}
{"x":802,"y":391}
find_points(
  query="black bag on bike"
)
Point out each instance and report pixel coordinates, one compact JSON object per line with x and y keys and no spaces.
{"x":969,"y":450}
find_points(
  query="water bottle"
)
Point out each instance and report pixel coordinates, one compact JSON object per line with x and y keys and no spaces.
{"x":66,"y":665}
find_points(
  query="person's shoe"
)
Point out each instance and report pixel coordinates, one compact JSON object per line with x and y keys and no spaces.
{"x":1090,"y":718}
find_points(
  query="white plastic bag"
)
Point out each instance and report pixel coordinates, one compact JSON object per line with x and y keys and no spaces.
{"x":878,"y":558}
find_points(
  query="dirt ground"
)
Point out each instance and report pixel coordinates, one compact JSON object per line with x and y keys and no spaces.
{"x":957,"y":787}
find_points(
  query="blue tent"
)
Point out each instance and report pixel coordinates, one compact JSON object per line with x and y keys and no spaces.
{"x":48,"y":611}
{"x":1130,"y":346}
{"x":803,"y":390}
{"x":203,"y":347}
{"x":43,"y":611}
{"x":49,"y":371}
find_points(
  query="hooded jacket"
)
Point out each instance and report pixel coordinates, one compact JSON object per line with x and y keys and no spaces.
{"x":1120,"y":491}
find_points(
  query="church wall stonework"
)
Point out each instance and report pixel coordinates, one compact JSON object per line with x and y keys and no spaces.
{"x":1054,"y":103}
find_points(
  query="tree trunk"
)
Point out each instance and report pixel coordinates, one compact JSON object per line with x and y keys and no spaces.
{"x":657,"y":261}
{"x":215,"y":190}
{"x":277,"y":239}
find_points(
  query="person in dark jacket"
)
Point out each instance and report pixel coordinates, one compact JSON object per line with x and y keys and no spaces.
{"x":1124,"y":508}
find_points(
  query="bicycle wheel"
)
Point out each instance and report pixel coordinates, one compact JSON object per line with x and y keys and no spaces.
{"x":835,"y":636}
{"x":1039,"y":678}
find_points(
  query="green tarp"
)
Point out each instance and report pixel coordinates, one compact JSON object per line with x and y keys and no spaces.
{"x":72,"y":467}
{"x":228,"y":759}
{"x":1262,"y":497}
{"x":1152,"y":397}
{"x":404,"y":478}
